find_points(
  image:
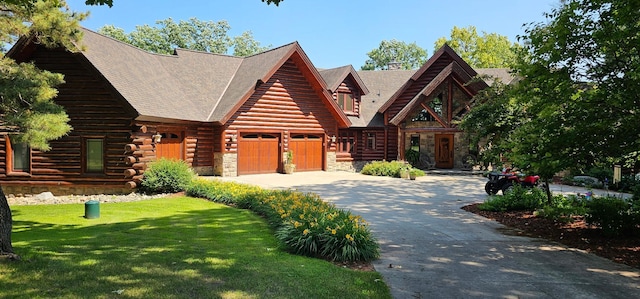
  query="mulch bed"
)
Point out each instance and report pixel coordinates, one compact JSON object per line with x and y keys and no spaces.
{"x":576,"y":234}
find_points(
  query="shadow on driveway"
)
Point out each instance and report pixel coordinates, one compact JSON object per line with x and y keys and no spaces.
{"x":430,"y":248}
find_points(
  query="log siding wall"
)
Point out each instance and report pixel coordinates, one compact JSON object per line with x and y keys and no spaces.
{"x":94,"y":112}
{"x":287,"y":102}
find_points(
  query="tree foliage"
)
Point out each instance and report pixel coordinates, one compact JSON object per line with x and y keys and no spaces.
{"x":410,"y":56}
{"x":26,"y":92}
{"x":194,"y":34}
{"x":576,"y":102}
{"x":489,"y":50}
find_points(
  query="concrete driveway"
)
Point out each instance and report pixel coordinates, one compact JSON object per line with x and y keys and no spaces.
{"x":430,"y":248}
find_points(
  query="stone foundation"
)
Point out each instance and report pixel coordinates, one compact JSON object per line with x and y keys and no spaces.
{"x":225,"y":164}
{"x":22,"y":190}
{"x":204,"y":170}
{"x":353,"y":166}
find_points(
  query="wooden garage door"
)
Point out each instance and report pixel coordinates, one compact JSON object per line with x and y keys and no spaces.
{"x":258,"y":153}
{"x":170,"y":146}
{"x":307,"y":151}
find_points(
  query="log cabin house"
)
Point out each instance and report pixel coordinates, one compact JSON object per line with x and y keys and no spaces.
{"x":230,"y":116}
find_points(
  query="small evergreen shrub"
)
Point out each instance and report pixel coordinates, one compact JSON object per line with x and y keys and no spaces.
{"x":615,"y":216}
{"x":167,"y":176}
{"x":518,"y":199}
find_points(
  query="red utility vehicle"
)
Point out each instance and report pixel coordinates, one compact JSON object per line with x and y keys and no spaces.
{"x":505,"y":180}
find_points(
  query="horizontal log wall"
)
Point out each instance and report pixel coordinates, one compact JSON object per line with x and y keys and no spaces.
{"x":94,"y":112}
{"x":287,"y":102}
{"x":348,"y":86}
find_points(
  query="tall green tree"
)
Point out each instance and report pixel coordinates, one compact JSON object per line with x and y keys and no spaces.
{"x":194,"y":34}
{"x":489,"y":50}
{"x":27,"y":109}
{"x":409,"y":56}
{"x":576,"y":100}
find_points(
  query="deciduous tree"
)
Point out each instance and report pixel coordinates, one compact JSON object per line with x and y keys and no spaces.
{"x":409,"y":56}
{"x":194,"y":34}
{"x":489,"y":50}
{"x":577,"y":97}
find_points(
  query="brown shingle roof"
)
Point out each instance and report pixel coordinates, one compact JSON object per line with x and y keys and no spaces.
{"x":382,"y":85}
{"x":165,"y":86}
{"x":335,"y":76}
{"x":189,"y":85}
{"x":503,"y":75}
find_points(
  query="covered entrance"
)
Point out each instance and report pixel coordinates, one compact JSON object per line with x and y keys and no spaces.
{"x":258,"y":153}
{"x":307,"y":151}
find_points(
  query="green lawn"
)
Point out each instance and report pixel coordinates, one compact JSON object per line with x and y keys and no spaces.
{"x":176,"y":247}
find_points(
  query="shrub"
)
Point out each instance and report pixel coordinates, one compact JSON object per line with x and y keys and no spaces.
{"x":518,"y":199}
{"x":615,"y":216}
{"x":304,"y":223}
{"x":413,"y":157}
{"x":563,"y":208}
{"x":389,"y":168}
{"x":600,"y":173}
{"x":167,"y":176}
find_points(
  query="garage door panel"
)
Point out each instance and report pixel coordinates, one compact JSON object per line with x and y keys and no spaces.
{"x":307,"y":152}
{"x":258,"y":153}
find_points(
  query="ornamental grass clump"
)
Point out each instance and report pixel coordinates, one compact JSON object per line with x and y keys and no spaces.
{"x":304,"y":223}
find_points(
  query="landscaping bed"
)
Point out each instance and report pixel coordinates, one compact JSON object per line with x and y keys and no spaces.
{"x":577,"y":234}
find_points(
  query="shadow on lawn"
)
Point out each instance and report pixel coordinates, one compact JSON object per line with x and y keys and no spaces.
{"x":190,"y":254}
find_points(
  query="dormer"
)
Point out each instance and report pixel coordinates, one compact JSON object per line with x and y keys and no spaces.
{"x":347,"y":88}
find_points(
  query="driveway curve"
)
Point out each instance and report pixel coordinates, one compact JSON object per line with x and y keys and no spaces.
{"x":430,"y":248}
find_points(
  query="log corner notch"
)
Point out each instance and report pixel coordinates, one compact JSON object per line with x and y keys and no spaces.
{"x":137,"y":155}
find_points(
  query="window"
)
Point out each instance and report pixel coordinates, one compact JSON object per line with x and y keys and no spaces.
{"x":346,"y":101}
{"x":18,"y":157}
{"x":415,"y":143}
{"x":346,"y":142}
{"x":94,"y":155}
{"x":371,"y":141}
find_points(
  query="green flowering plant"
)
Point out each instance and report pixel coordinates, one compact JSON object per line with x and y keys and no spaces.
{"x":304,"y":223}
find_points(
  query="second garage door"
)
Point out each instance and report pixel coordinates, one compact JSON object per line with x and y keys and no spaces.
{"x":307,"y":151}
{"x":258,"y":153}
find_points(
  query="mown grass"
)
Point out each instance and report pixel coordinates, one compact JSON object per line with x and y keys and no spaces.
{"x":178,"y":247}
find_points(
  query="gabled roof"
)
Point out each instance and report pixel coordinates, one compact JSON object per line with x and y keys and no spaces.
{"x":501,"y":74}
{"x":445,"y":52}
{"x":453,"y":69}
{"x":335,"y":76}
{"x":382,"y":85}
{"x":190,"y":85}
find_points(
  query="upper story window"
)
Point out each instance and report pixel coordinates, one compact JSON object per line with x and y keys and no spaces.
{"x":18,"y":157}
{"x":346,"y":101}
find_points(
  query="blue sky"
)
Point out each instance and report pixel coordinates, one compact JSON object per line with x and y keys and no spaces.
{"x":332,"y":32}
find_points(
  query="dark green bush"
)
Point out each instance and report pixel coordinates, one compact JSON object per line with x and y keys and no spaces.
{"x":615,"y":216}
{"x":600,"y":173}
{"x":167,"y":176}
{"x":518,"y":199}
{"x":412,"y":157}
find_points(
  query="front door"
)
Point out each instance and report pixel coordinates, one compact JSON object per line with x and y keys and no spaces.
{"x":444,"y":151}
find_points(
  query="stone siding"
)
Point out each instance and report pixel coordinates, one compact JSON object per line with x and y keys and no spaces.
{"x":22,"y":190}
